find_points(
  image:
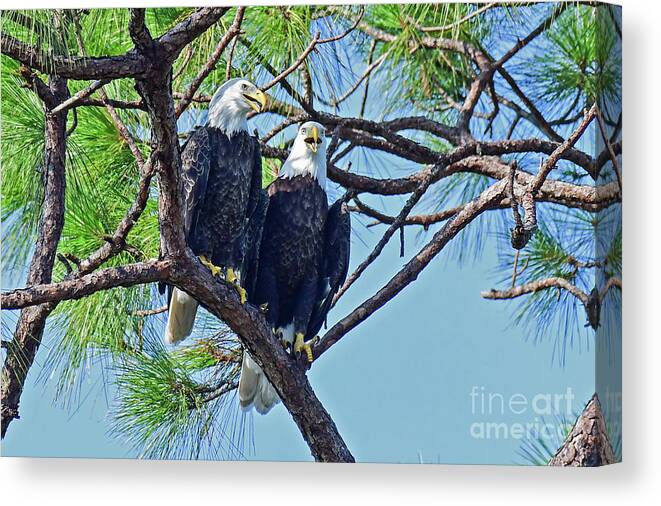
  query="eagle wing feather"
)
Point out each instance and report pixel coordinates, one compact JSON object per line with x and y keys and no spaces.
{"x":334,"y":265}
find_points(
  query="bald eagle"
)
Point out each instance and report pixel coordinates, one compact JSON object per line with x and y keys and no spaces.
{"x":303,"y":259}
{"x":224,"y":204}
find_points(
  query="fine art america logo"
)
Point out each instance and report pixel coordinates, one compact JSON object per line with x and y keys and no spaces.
{"x":519,"y":416}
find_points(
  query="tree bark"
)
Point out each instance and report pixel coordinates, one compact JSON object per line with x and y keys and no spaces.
{"x":587,"y":445}
{"x":32,"y":321}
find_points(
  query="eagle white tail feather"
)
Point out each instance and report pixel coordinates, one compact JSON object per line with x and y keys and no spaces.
{"x":181,"y":317}
{"x":254,"y":388}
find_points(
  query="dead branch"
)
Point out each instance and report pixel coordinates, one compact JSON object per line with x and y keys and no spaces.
{"x":151,"y":312}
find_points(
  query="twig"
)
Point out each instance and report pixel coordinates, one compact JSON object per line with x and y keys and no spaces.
{"x":394,"y":226}
{"x":301,"y":58}
{"x":552,"y":160}
{"x":210,"y":65}
{"x":137,"y":20}
{"x":230,"y":57}
{"x":74,"y":123}
{"x":613,"y":282}
{"x":423,"y":220}
{"x":316,"y":40}
{"x":151,"y":312}
{"x":182,"y":66}
{"x":362,"y":78}
{"x":535,"y":286}
{"x":76,"y":98}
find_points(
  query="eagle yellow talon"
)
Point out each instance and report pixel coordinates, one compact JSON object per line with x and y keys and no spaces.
{"x":243,"y":296}
{"x":233,"y":279}
{"x":215,"y":270}
{"x":301,"y":345}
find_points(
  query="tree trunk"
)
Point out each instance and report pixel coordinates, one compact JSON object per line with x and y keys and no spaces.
{"x":587,"y":445}
{"x":32,"y":321}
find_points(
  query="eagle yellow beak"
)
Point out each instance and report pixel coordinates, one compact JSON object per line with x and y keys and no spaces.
{"x":257,"y":101}
{"x":313,"y":140}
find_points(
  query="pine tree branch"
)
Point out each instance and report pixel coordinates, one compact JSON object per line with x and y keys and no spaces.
{"x":32,"y":321}
{"x":73,"y":67}
{"x":409,"y":273}
{"x":288,"y":378}
{"x":132,"y":64}
{"x":523,"y":232}
{"x":79,"y":287}
{"x":316,"y":41}
{"x":423,"y":220}
{"x":535,"y":286}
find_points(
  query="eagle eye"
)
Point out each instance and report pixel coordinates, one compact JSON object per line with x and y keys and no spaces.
{"x":244,"y":86}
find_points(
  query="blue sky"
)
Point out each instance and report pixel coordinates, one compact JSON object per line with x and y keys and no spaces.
{"x":398,"y":386}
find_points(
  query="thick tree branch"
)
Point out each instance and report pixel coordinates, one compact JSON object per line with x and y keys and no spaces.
{"x":73,"y":67}
{"x":79,"y":287}
{"x":188,"y":30}
{"x":131,"y":64}
{"x":589,"y":197}
{"x":138,"y":30}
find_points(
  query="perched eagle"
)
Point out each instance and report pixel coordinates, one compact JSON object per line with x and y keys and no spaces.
{"x":303,"y":258}
{"x":224,"y":204}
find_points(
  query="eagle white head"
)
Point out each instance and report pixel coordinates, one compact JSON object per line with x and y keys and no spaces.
{"x":230,"y":105}
{"x":308,"y":154}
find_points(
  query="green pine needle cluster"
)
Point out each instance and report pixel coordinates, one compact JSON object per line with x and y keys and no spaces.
{"x":176,"y":404}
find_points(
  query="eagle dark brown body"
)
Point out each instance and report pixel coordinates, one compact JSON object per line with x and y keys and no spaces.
{"x":291,"y":251}
{"x":221,"y":181}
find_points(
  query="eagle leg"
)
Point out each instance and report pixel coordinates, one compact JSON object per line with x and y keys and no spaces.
{"x":234,"y":281}
{"x":280,"y":337}
{"x":215,"y":270}
{"x":301,"y":345}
